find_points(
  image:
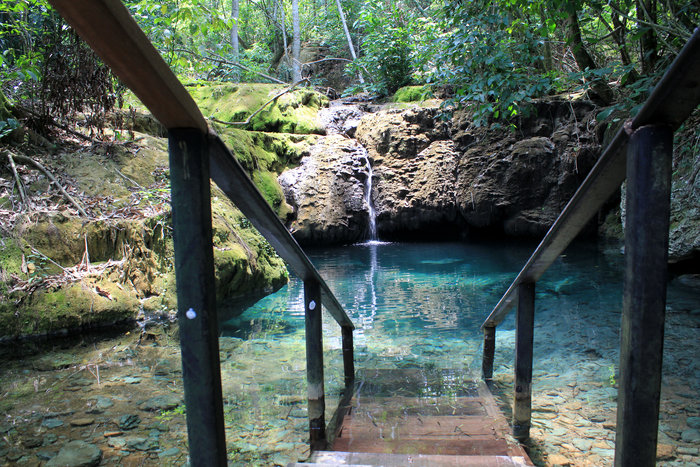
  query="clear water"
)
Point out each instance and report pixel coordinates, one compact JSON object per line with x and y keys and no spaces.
{"x":412,"y":303}
{"x":422,"y":305}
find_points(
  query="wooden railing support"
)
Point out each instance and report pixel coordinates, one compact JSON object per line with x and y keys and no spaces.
{"x":314,"y":366}
{"x":488,"y":355}
{"x":348,"y":355}
{"x":196,"y":298}
{"x":524,"y":328}
{"x":644,"y":295}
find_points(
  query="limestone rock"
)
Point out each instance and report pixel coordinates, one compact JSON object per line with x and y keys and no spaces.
{"x":665,"y":452}
{"x":414,"y":163}
{"x":327,"y":192}
{"x":557,"y":459}
{"x":401,"y":133}
{"x":519,"y":187}
{"x":416,"y":194}
{"x":163,"y":402}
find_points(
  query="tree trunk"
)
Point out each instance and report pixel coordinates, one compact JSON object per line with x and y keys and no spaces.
{"x":548,"y":61}
{"x":5,"y":108}
{"x":349,"y":38}
{"x":296,"y":42}
{"x":234,"y":28}
{"x":646,"y":12}
{"x":618,"y":35}
{"x":584,"y":59}
{"x":284,"y":33}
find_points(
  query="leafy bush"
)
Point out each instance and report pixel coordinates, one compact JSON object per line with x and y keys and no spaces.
{"x":386,"y":47}
{"x":50,"y":72}
{"x":490,"y":58}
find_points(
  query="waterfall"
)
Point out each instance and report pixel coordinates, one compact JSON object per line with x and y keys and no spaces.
{"x":370,"y":205}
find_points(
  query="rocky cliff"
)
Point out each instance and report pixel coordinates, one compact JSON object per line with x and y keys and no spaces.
{"x":436,"y":178}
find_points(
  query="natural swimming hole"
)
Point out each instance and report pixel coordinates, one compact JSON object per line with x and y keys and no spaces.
{"x":417,"y":308}
{"x":421,"y":305}
{"x":414,"y":302}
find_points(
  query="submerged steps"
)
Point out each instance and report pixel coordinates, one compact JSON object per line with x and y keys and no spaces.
{"x":421,"y":417}
{"x":405,"y":460}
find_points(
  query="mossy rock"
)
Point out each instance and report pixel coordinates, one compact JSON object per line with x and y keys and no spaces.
{"x":121,"y":175}
{"x":5,"y":107}
{"x":293,"y":112}
{"x":77,"y":305}
{"x":244,"y":262}
{"x":265,"y":156}
{"x":410,"y":94}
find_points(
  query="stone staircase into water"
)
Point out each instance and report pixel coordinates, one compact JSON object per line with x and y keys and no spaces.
{"x":416,"y":417}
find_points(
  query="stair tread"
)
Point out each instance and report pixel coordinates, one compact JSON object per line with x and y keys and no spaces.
{"x":433,"y":445}
{"x":401,"y":460}
{"x":401,"y":405}
{"x":418,"y":414}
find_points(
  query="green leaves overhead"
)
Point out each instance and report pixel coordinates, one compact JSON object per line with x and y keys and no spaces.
{"x":492,"y":56}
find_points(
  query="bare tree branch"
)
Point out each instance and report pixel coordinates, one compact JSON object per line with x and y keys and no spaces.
{"x":18,"y":180}
{"x":29,"y":161}
{"x":242,"y":67}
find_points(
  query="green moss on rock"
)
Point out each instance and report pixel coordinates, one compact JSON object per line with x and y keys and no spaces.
{"x":410,"y":94}
{"x":244,"y":262}
{"x":293,"y":112}
{"x":70,"y":306}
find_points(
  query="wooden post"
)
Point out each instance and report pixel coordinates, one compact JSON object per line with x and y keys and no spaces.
{"x":196,"y":299}
{"x":524,"y":327}
{"x":348,"y":356}
{"x":644,"y":298}
{"x":488,"y":355}
{"x":314,"y":366}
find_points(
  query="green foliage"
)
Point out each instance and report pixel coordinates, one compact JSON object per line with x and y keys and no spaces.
{"x":386,"y":47}
{"x":490,"y":58}
{"x":22,"y":27}
{"x":8,"y":126}
{"x":168,"y":415}
{"x":184,"y":31}
{"x":49,"y":70}
{"x":612,"y":381}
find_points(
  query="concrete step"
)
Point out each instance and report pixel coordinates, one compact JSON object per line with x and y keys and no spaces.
{"x":408,"y":460}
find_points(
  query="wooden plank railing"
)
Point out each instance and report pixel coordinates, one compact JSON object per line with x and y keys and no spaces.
{"x":646,"y":165}
{"x":196,"y":154}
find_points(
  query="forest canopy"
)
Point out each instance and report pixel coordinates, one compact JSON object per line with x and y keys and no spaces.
{"x":495,"y":56}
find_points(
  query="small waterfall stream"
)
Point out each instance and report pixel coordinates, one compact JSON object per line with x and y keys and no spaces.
{"x":370,"y":204}
{"x":342,"y":117}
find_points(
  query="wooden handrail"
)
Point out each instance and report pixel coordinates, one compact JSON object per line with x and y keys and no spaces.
{"x":102,"y":23}
{"x":674,"y":98}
